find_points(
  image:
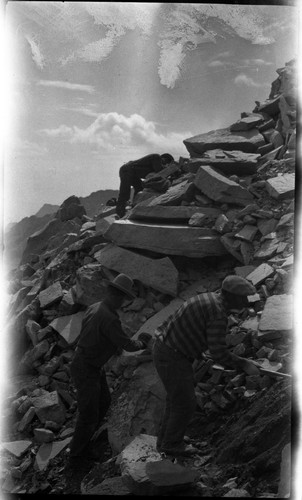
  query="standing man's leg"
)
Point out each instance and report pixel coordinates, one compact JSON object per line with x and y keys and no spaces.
{"x":176,"y":374}
{"x":88,"y":389}
{"x":125,"y":189}
{"x":105,"y":398}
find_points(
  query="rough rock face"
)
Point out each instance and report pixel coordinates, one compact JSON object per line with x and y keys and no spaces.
{"x":136,"y":407}
{"x":221,"y":189}
{"x":160,"y":274}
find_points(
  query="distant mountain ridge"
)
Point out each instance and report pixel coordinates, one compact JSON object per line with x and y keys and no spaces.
{"x":16,"y":235}
{"x":47,"y":209}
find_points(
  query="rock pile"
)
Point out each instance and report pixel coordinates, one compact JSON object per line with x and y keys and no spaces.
{"x":229,"y":208}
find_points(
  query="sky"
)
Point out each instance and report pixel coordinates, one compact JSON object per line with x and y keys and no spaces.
{"x":90,"y":86}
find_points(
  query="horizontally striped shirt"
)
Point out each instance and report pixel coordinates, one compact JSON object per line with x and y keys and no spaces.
{"x":199,"y":325}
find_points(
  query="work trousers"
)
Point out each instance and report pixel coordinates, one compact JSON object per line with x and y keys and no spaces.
{"x":176,"y":374}
{"x":93,"y":397}
{"x":129,"y":176}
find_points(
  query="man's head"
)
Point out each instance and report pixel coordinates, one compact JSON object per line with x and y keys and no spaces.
{"x":235,"y":291}
{"x":120,"y":289}
{"x":166,"y":159}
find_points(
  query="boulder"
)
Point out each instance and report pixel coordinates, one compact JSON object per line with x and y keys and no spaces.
{"x":136,"y":407}
{"x":160,"y":274}
{"x":90,"y":287}
{"x":49,"y":407}
{"x":281,"y":187}
{"x":269,"y":106}
{"x":48,"y":451}
{"x":69,"y":327}
{"x":227,"y":162}
{"x":247,"y":141}
{"x":221,"y":189}
{"x":247,"y":123}
{"x":50,"y":295}
{"x":70,"y":209}
{"x":173,"y":196}
{"x":38,"y":242}
{"x":144,"y":472}
{"x":166,"y":239}
{"x":169,"y":213}
{"x":277,"y":314}
{"x":260,"y":274}
{"x":17,"y":448}
{"x":32,"y":355}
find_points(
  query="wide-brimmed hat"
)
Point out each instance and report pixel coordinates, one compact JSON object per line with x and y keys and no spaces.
{"x":123,"y":283}
{"x":238,"y":286}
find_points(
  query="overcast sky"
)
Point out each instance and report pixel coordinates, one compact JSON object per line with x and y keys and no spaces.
{"x":93,"y":85}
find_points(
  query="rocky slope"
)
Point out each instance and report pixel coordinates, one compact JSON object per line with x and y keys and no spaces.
{"x":16,"y":234}
{"x":228,"y":208}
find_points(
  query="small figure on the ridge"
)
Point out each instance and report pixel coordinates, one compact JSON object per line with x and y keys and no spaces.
{"x":132,"y":172}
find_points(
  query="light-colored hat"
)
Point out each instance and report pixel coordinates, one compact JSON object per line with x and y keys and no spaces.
{"x":238,"y":286}
{"x":123,"y":283}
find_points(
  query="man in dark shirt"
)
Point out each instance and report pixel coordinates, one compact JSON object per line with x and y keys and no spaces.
{"x":101,"y":336}
{"x":200,"y":324}
{"x":131,"y":174}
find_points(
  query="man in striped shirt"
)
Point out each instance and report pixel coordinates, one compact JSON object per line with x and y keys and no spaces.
{"x":200,"y":324}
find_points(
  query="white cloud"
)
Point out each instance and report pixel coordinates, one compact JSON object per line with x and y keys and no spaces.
{"x":66,"y":85}
{"x":16,"y":148}
{"x":112,"y":131}
{"x":62,"y":131}
{"x":245,"y":80}
{"x":257,"y":62}
{"x":36,"y":52}
{"x":215,"y":64}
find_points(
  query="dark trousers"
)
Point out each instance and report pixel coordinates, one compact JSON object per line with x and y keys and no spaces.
{"x":129,"y":176}
{"x":93,"y":397}
{"x":176,"y":374}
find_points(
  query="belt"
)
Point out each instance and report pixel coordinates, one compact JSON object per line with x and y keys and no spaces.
{"x":161,"y":338}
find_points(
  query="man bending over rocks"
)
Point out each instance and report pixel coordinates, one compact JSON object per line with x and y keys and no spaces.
{"x":200,"y":324}
{"x":131,"y":174}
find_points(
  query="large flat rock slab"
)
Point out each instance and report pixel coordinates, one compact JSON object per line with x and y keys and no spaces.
{"x":160,"y":274}
{"x":277,"y":314}
{"x":227,"y":162}
{"x":247,"y":141}
{"x":146,"y":473}
{"x":69,"y":327}
{"x":246,"y":123}
{"x":170,"y":213}
{"x":17,"y":448}
{"x":50,"y":295}
{"x":221,"y":189}
{"x":281,"y":187}
{"x":166,"y":239}
{"x":173,"y":196}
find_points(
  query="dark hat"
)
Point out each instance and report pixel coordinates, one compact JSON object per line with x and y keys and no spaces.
{"x":123,"y":283}
{"x":238,"y":286}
